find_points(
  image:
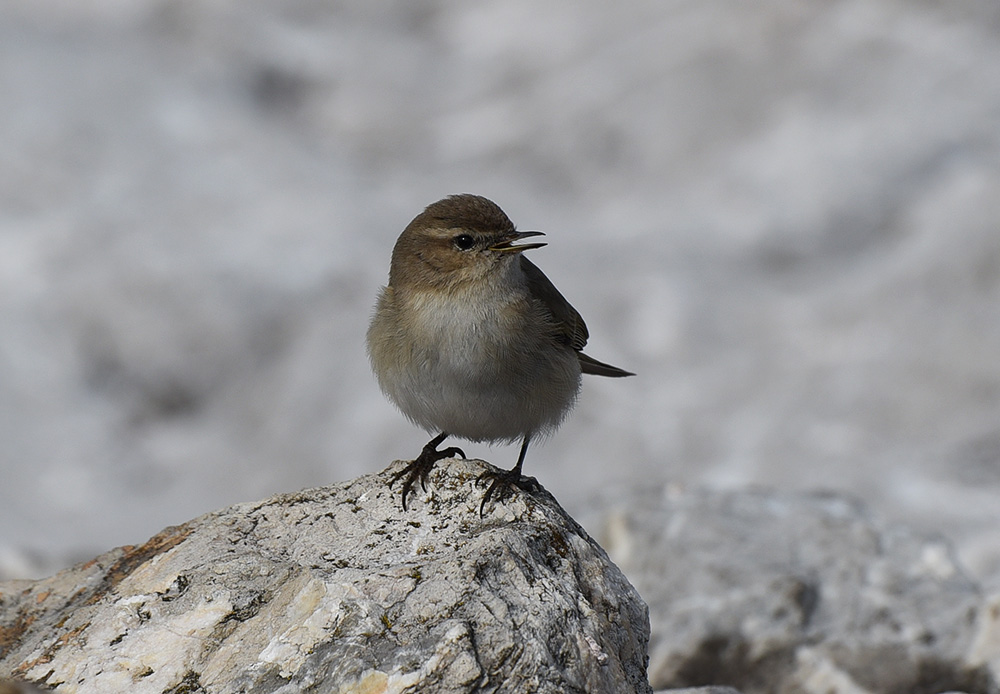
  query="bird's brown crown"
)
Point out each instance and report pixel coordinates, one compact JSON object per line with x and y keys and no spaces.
{"x":465,"y":211}
{"x":430,"y":253}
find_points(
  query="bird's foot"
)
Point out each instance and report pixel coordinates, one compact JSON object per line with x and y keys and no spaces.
{"x":419,"y":468}
{"x":503,"y":483}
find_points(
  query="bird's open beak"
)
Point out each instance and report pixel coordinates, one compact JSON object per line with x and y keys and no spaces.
{"x":506,"y":246}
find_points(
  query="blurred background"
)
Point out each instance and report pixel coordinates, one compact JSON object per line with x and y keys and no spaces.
{"x":782,"y":215}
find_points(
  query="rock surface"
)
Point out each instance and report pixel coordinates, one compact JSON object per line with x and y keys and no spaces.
{"x":337,"y":589}
{"x":782,"y":593}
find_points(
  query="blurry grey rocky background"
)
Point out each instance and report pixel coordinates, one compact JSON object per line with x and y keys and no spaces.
{"x":778,"y":593}
{"x":783,"y":216}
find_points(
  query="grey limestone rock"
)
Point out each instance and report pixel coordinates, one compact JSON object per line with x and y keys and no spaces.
{"x":800,"y":593}
{"x":337,"y":589}
{"x":15,"y":687}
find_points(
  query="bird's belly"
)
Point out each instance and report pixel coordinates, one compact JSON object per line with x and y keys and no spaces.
{"x":481,"y":389}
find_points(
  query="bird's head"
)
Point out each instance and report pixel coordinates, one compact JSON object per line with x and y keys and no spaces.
{"x":460,"y":239}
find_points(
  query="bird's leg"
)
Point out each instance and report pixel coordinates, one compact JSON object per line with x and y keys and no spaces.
{"x":418,"y":469}
{"x":505,"y":480}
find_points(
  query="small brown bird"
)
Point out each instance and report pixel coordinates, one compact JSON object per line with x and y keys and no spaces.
{"x":470,"y":338}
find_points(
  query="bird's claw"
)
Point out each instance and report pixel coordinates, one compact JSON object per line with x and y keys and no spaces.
{"x":452,"y":452}
{"x":416,"y":470}
{"x":503,"y":483}
{"x":420,"y":468}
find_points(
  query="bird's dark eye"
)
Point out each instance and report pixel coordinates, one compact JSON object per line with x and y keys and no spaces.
{"x":464,"y":242}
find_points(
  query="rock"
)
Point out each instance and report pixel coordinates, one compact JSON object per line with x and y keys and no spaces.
{"x":771,"y":592}
{"x":12,"y":687}
{"x":337,"y":589}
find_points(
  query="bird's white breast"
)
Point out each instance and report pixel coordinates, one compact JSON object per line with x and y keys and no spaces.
{"x":479,"y":367}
